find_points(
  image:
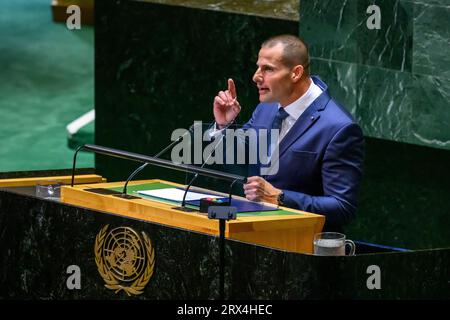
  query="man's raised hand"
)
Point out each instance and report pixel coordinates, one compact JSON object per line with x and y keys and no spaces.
{"x":226,"y":107}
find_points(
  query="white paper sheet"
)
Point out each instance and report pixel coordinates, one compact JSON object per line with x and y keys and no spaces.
{"x":175,"y":194}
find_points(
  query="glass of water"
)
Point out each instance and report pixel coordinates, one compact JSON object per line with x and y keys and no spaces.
{"x":332,"y":244}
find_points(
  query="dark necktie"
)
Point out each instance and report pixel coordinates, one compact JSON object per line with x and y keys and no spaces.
{"x":280,"y":116}
{"x":276,"y":124}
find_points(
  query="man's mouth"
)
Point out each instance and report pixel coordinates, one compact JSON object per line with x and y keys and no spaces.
{"x":263,"y":90}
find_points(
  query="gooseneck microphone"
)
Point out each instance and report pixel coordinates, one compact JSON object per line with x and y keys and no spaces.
{"x":139,"y":169}
{"x":183,"y":203}
{"x":155,"y":161}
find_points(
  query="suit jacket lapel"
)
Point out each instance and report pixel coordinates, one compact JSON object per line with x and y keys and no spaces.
{"x":304,"y":122}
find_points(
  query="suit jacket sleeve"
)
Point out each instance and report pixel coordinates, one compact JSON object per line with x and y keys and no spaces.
{"x":341,"y":177}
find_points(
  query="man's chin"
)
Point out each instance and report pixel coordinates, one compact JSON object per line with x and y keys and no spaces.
{"x":265,"y":98}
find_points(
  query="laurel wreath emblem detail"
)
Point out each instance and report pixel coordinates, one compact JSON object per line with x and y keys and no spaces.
{"x":111,"y":281}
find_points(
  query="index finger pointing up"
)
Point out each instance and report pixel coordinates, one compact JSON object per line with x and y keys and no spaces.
{"x":232,"y":88}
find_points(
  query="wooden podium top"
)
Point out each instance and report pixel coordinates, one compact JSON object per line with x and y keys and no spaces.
{"x":32,"y":181}
{"x":286,"y":228}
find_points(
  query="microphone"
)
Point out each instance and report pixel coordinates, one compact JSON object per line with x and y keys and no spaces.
{"x":183,"y":203}
{"x":155,"y":161}
{"x":139,"y":169}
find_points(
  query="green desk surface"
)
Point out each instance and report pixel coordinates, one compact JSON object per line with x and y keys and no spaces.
{"x":133,"y":189}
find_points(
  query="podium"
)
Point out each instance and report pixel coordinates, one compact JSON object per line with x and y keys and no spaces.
{"x":285,"y":228}
{"x":43,"y":241}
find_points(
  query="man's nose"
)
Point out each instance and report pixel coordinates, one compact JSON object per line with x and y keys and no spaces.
{"x":257,"y":77}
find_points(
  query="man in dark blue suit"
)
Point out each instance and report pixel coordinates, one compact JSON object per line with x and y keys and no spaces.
{"x":320,"y":146}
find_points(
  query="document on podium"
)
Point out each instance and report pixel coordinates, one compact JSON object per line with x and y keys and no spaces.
{"x":193,"y":198}
{"x":175,"y":194}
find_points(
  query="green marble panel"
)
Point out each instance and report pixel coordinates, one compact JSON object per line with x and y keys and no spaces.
{"x":282,"y":9}
{"x":391,"y":46}
{"x":379,"y":99}
{"x":384,"y":103}
{"x":431,"y":2}
{"x":340,"y":78}
{"x":431,"y":112}
{"x":330,"y":28}
{"x":431,"y":39}
{"x":389,"y":104}
{"x":337,"y":30}
{"x":393,"y":101}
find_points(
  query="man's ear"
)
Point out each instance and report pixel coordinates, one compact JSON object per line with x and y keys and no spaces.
{"x":297,"y":73}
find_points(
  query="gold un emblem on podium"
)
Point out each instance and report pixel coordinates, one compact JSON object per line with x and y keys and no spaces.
{"x":124,"y":259}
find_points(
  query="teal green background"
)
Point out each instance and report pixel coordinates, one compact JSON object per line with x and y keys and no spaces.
{"x":46,"y":81}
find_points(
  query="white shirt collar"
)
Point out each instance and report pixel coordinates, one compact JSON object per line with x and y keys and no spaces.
{"x":296,"y":108}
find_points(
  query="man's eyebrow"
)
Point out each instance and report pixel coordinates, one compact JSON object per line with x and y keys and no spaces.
{"x":266,"y":64}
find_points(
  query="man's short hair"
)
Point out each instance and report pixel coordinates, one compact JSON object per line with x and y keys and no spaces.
{"x":295,"y":50}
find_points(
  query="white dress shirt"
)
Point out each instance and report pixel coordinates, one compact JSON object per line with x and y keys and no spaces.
{"x":296,"y":108}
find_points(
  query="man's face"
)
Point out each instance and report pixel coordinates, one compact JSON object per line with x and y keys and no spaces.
{"x":272,"y":77}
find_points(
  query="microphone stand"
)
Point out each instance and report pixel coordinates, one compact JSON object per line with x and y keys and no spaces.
{"x":222,"y":214}
{"x":139,"y":169}
{"x":183,"y":203}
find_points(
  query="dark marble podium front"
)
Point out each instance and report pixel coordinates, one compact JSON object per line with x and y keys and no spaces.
{"x":40,"y":239}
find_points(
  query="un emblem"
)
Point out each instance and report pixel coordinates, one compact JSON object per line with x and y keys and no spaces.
{"x":124,"y":259}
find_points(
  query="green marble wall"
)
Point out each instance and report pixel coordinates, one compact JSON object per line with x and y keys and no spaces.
{"x":395,"y":80}
{"x":283,"y":9}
